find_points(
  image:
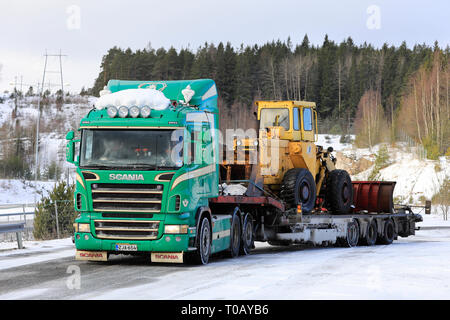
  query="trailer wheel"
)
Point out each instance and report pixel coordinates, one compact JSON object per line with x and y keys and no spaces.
{"x":388,"y":232}
{"x":203,"y":252}
{"x":339,"y":192}
{"x":247,"y":243}
{"x":370,"y":237}
{"x":235,"y":236}
{"x":298,"y":187}
{"x":352,"y":236}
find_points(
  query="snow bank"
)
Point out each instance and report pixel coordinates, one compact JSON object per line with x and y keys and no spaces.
{"x":333,"y":140}
{"x":416,"y":178}
{"x":155,"y":99}
{"x":18,"y":192}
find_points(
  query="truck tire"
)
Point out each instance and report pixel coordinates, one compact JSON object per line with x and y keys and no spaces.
{"x":352,"y":236}
{"x":299,"y":187}
{"x":388,"y":233}
{"x":203,"y":252}
{"x":247,"y":241}
{"x":339,"y":192}
{"x":235,"y":236}
{"x":370,"y":236}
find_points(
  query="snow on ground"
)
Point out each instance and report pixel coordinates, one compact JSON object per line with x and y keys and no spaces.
{"x":412,"y":268}
{"x":333,"y":140}
{"x":23,"y":192}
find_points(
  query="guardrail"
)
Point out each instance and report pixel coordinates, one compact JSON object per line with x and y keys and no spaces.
{"x":16,"y":228}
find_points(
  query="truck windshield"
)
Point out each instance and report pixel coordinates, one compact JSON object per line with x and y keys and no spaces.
{"x":132,"y":149}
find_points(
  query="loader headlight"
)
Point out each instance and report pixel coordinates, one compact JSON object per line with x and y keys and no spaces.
{"x":112,"y":111}
{"x":145,"y":111}
{"x":123,"y":112}
{"x":255,"y":143}
{"x":239,"y":142}
{"x":176,"y":228}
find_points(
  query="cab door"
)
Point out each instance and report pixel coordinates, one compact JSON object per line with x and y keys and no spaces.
{"x":296,"y":124}
{"x":307,"y":124}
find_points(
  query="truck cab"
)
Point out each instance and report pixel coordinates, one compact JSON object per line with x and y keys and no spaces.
{"x":144,"y":171}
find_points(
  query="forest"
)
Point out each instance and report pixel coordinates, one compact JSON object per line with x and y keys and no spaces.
{"x":380,"y":95}
{"x":375,"y":93}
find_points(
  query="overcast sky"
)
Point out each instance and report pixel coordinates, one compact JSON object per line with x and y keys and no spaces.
{"x":84,"y":30}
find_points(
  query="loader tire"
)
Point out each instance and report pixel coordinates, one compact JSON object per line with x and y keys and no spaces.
{"x":339,"y":192}
{"x":299,"y":187}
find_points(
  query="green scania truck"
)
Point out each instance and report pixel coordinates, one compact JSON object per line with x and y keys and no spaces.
{"x":149,"y":176}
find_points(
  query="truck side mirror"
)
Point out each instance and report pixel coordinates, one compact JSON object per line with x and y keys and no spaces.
{"x":70,"y":152}
{"x":70,"y":148}
{"x":70,"y":135}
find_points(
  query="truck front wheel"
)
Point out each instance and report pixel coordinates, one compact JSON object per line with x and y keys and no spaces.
{"x":203,"y":252}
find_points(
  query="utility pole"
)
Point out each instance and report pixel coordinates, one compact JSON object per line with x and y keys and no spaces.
{"x":46,"y":55}
{"x":37,"y":129}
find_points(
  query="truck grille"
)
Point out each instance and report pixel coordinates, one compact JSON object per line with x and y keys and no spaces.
{"x":126,"y":229}
{"x":110,"y":197}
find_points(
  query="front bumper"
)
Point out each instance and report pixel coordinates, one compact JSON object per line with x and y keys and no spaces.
{"x":166,"y":243}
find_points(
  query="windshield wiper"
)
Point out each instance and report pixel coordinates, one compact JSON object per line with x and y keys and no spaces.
{"x":140,"y":165}
{"x":98,"y":166}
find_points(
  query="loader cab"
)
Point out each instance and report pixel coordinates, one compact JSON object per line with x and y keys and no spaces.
{"x":292,"y":120}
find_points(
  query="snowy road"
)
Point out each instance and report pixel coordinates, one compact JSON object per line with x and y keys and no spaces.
{"x":417,"y":267}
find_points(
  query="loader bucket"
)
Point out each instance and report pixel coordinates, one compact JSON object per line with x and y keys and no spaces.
{"x":373,"y":196}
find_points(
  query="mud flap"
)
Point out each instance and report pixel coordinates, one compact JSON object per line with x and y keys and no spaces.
{"x":91,"y":255}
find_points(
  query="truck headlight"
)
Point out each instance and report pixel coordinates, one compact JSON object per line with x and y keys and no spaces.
{"x":176,"y":228}
{"x":123,"y":112}
{"x":84,"y":227}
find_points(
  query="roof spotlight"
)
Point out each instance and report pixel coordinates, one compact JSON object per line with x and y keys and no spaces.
{"x":112,"y":111}
{"x":145,"y":112}
{"x":134,"y":111}
{"x":123,"y":111}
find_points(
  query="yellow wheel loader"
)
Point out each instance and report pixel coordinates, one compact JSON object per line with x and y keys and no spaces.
{"x":288,"y":163}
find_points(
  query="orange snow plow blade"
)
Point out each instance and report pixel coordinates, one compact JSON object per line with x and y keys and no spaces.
{"x":373,"y":196}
